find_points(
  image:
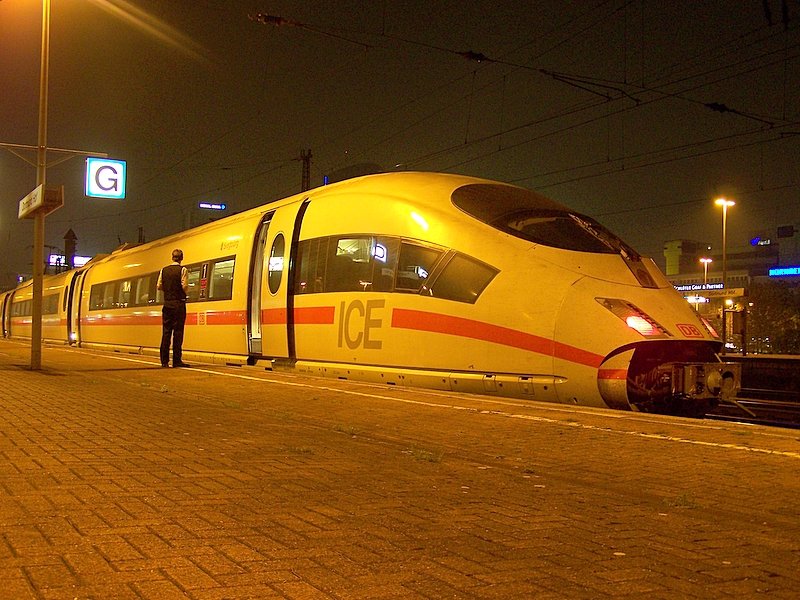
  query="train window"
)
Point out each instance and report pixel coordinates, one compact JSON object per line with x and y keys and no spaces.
{"x":144,"y":292}
{"x":530,"y":216}
{"x":221,"y":280}
{"x":384,"y":253}
{"x":108,"y":294}
{"x":462,"y":280}
{"x":96,"y":297}
{"x":310,"y":270}
{"x":339,"y":274}
{"x":50,"y":305}
{"x":350,"y":266}
{"x":414,"y":265}
{"x":275,"y":265}
{"x":22,"y":309}
{"x":194,"y":283}
{"x":124,"y":297}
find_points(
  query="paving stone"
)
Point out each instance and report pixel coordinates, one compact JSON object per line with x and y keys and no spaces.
{"x":122,"y":480}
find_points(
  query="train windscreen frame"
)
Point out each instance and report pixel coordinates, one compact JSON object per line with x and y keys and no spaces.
{"x":535,"y":218}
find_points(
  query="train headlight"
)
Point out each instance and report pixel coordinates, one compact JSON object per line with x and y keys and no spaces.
{"x":634,"y":317}
{"x":642,"y":325}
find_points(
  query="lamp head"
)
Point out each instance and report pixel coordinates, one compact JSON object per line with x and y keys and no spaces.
{"x":724,"y":202}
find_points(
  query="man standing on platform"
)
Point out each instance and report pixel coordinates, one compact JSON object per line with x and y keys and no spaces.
{"x":173,"y":280}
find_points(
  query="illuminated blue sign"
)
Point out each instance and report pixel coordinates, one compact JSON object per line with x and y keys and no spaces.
{"x":784,"y":272}
{"x":212,"y":206}
{"x":105,"y":178}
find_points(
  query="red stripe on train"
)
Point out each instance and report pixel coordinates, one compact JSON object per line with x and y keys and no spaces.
{"x":309,"y":315}
{"x":612,"y":374}
{"x":479,"y":330}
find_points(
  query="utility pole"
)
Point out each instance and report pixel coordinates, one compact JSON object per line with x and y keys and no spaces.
{"x":305,"y":183}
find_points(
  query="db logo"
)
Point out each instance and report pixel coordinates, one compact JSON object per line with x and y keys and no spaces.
{"x":689,"y":330}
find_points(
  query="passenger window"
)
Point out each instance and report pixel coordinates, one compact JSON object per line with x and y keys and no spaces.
{"x":462,"y":280}
{"x":50,"y":304}
{"x":96,"y":297}
{"x":384,"y":259}
{"x":310,"y":270}
{"x":143,"y":294}
{"x":108,"y":295}
{"x":124,"y":294}
{"x":275,"y":265}
{"x":349,"y":268}
{"x":415,"y":265}
{"x":194,"y":283}
{"x":221,"y":284}
{"x":361,"y":264}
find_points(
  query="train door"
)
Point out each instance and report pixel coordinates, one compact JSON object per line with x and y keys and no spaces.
{"x":74,"y":308}
{"x":270,"y":314}
{"x":256,"y":280}
{"x":69,"y":306}
{"x":5,"y":314}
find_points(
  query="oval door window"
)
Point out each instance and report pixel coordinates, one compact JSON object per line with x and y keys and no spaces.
{"x":275,"y":267}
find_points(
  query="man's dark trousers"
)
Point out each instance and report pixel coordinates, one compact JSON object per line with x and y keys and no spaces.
{"x":174,"y":319}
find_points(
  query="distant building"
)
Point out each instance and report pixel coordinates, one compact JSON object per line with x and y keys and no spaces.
{"x":766,"y":259}
{"x":683,"y":256}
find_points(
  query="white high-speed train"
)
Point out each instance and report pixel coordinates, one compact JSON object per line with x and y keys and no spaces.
{"x":418,"y":279}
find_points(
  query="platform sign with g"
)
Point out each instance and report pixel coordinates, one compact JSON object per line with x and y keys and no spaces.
{"x":105,"y":178}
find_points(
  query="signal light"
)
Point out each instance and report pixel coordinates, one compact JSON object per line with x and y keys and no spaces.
{"x":634,"y":317}
{"x":641,"y":325}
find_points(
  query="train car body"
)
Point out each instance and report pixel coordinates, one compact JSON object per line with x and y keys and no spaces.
{"x":420,"y":279}
{"x":17,"y":308}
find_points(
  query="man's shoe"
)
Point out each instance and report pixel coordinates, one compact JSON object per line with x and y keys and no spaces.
{"x":164,"y":365}
{"x":181,"y":364}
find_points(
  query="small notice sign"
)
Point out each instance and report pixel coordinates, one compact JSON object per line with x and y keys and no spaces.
{"x":41,"y":200}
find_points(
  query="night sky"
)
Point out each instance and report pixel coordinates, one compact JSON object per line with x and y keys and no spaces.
{"x":638,"y":113}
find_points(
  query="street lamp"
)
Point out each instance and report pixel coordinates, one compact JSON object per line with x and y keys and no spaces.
{"x":724,"y":203}
{"x":705,"y":262}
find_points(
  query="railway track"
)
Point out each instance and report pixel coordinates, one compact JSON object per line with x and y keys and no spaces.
{"x":779,"y":408}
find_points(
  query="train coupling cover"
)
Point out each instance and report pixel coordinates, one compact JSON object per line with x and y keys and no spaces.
{"x":719,"y":380}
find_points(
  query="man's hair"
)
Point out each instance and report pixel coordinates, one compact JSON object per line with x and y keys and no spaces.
{"x":177,"y":255}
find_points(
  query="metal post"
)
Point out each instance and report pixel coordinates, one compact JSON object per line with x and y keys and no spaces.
{"x":724,"y":275}
{"x":41,"y":178}
{"x":724,"y":203}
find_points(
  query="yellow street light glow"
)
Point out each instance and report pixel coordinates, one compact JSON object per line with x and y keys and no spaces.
{"x":724,"y":202}
{"x":706,"y":262}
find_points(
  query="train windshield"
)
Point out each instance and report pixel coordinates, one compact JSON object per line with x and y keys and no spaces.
{"x":530,"y":216}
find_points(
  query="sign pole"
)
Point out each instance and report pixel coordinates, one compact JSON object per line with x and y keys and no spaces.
{"x":41,"y":177}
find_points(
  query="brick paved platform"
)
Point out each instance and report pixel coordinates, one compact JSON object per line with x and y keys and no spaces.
{"x":122,"y":480}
